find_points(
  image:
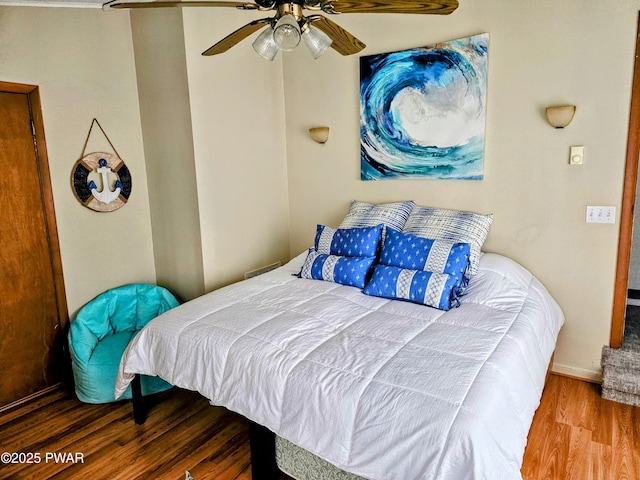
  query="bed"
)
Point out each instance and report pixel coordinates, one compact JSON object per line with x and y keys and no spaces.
{"x":378,"y":388}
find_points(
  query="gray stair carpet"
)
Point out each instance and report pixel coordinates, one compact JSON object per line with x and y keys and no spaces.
{"x":621,"y":367}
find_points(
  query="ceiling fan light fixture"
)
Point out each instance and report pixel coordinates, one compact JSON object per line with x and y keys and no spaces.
{"x":316,"y":40}
{"x":265,"y":46}
{"x":286,"y":33}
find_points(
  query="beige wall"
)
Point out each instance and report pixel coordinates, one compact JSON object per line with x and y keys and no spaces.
{"x":168,"y":144}
{"x":237,"y":108}
{"x":215,"y":146}
{"x":541,"y":53}
{"x":82,"y":60}
{"x":244,"y":127}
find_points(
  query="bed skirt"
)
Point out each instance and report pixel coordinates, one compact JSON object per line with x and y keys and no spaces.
{"x":300,"y":464}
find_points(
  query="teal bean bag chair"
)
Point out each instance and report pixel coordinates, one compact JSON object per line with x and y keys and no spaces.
{"x":102,"y":330}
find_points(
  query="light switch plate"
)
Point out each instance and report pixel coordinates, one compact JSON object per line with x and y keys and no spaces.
{"x":601,"y":214}
{"x":576,"y":157}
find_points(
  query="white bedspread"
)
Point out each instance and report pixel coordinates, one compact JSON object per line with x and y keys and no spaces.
{"x":387,"y":390}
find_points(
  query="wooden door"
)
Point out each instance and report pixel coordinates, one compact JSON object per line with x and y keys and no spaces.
{"x":625,"y":238}
{"x":32,"y":302}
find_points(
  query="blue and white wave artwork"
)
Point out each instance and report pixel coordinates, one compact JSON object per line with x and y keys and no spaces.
{"x":422,"y":111}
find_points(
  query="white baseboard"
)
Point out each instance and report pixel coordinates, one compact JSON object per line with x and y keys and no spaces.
{"x":594,"y":376}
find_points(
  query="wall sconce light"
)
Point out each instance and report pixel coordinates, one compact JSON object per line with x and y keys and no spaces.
{"x":559,"y":116}
{"x":319,"y":134}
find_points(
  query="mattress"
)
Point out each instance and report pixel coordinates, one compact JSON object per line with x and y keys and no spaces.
{"x":382,"y":389}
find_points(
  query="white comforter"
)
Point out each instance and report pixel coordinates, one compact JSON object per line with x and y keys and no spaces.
{"x":387,"y":390}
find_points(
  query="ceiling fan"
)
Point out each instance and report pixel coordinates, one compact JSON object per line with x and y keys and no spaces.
{"x":289,"y":24}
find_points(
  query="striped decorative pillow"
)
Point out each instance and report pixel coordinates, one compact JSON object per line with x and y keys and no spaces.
{"x":350,"y":271}
{"x":405,"y":250}
{"x":363,"y":214}
{"x":427,"y":288}
{"x":452,"y":226}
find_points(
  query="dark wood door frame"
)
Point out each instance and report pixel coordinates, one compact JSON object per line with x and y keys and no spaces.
{"x":33,"y":96}
{"x":628,"y":206}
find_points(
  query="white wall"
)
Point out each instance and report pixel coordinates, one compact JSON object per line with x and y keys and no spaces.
{"x":541,"y":53}
{"x":82,"y":60}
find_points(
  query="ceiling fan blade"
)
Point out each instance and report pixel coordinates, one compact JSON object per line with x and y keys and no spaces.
{"x":118,"y":4}
{"x":343,"y":42}
{"x":438,"y":7}
{"x":230,"y":40}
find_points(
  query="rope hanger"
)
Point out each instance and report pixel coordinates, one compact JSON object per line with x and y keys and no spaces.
{"x":84,"y":148}
{"x":105,"y":165}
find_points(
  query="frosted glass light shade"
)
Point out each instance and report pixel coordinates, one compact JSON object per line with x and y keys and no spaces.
{"x":316,"y":40}
{"x":286,"y":33}
{"x":265,"y":46}
{"x":560,"y":116}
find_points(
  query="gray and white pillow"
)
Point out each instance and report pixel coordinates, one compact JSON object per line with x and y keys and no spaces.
{"x":362,"y":214}
{"x":452,"y":226}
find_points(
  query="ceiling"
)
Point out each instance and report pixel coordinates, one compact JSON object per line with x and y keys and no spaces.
{"x":54,"y":3}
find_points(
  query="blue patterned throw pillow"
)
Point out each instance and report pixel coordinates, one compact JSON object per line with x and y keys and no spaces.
{"x":348,"y":242}
{"x":405,"y":250}
{"x":427,"y":288}
{"x":350,"y":271}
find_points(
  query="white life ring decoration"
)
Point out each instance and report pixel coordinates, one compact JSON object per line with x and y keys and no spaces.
{"x":101,"y":181}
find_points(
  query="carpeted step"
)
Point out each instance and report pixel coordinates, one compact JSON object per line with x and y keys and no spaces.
{"x":620,"y":397}
{"x":621,"y":375}
{"x":620,"y":357}
{"x":621,"y":379}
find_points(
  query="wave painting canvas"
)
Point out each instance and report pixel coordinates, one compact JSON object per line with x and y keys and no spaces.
{"x":422,"y":111}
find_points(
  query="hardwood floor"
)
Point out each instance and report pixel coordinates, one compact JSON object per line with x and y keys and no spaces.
{"x":183,"y":432}
{"x":578,"y":435}
{"x":575,"y":435}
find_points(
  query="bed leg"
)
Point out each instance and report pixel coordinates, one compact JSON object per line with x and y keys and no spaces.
{"x":263,"y":453}
{"x":139,"y":410}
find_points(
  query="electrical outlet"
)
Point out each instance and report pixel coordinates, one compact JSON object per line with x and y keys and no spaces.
{"x":601,"y":214}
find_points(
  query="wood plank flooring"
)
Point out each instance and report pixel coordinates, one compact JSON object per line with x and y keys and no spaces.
{"x":575,"y":435}
{"x":578,"y":435}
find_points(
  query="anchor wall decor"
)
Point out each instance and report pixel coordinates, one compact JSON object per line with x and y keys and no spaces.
{"x":115,"y":181}
{"x":101,"y":181}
